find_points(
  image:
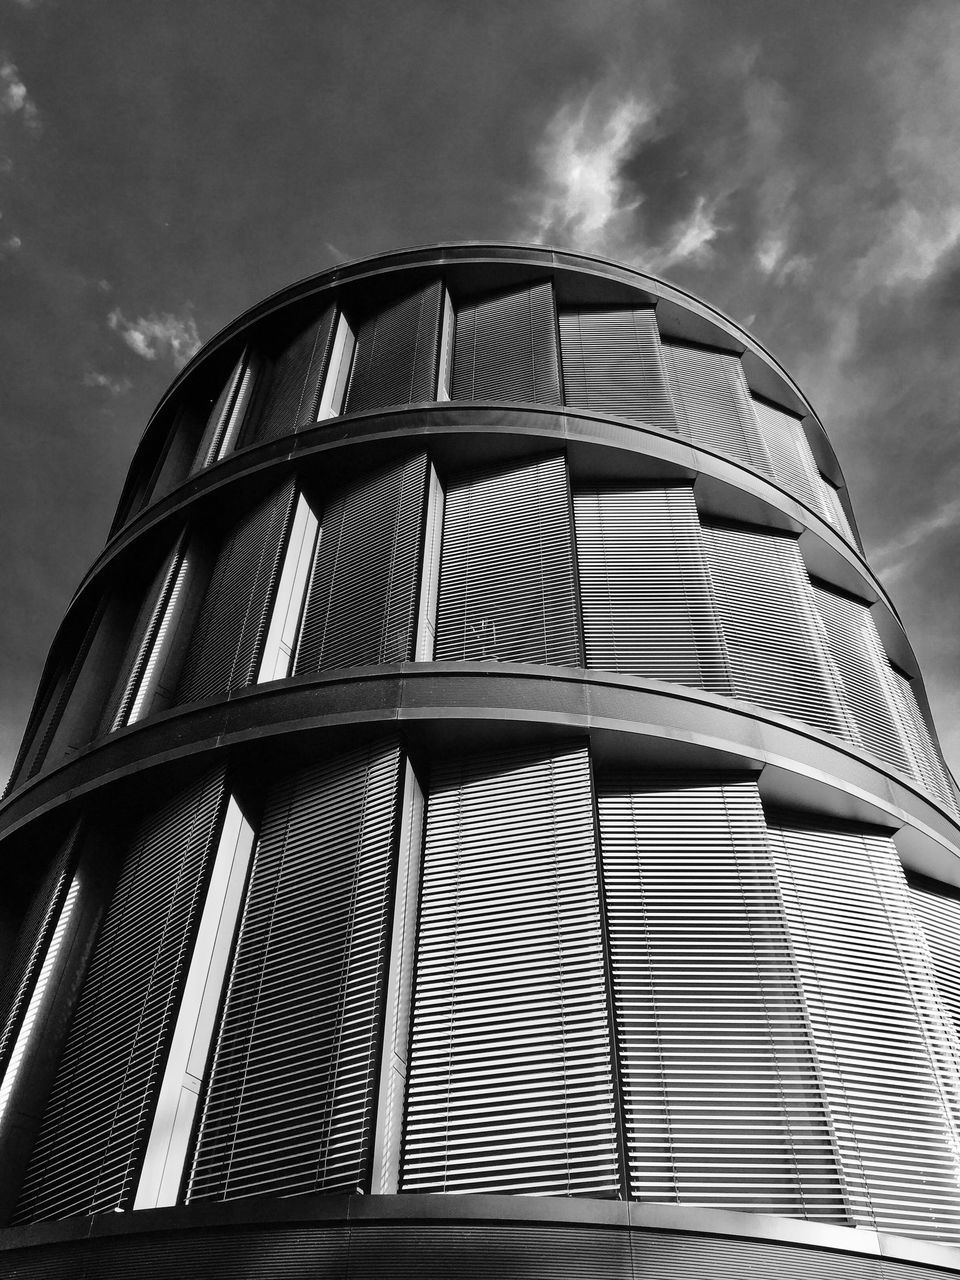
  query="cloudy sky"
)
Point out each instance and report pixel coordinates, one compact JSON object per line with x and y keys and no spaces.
{"x":163,"y":166}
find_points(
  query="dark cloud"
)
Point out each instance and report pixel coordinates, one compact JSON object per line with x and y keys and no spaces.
{"x":791,"y":163}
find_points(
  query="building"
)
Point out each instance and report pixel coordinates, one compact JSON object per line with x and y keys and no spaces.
{"x":481,"y":815}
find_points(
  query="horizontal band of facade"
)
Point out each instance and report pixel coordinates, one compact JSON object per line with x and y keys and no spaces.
{"x":643,"y":723}
{"x":361,"y":1236}
{"x":599,"y":451}
{"x":579,"y":279}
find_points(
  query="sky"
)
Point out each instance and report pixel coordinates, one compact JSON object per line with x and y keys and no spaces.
{"x":165,"y":166}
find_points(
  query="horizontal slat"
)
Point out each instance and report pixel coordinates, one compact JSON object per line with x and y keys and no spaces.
{"x":712,"y":404}
{"x":506,"y":347}
{"x":612,"y":364}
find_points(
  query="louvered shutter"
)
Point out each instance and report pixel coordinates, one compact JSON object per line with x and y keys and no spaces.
{"x":858,"y":656}
{"x":288,"y":400}
{"x":645,"y":587}
{"x":506,"y":347}
{"x":96,"y":1123}
{"x":507,"y":588}
{"x":395,"y":358}
{"x":771,"y":628}
{"x":712,"y":404}
{"x":882,"y":1038}
{"x":225,"y":646}
{"x":361,"y":604}
{"x":791,"y":458}
{"x":18,"y":980}
{"x":926,"y":763}
{"x":612,"y":364}
{"x":289,"y":1106}
{"x":510,"y":1082}
{"x":720,"y":1087}
{"x":939,"y":914}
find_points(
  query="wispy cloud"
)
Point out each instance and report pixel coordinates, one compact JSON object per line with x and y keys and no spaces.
{"x":14,"y":99}
{"x":154,"y":336}
{"x":116,"y":386}
{"x":891,"y":558}
{"x":583,"y":201}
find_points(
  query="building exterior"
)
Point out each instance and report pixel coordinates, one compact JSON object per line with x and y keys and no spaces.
{"x":481,"y":815}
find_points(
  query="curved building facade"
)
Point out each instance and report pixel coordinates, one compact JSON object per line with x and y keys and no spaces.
{"x":481,"y":814}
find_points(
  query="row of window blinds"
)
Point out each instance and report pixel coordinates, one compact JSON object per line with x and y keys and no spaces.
{"x":506,"y":347}
{"x":721,"y":1097}
{"x":96,"y":1122}
{"x":507,"y":585}
{"x":289,"y":1105}
{"x":612,"y":364}
{"x":885,"y":1046}
{"x":20,"y":975}
{"x":362,"y":600}
{"x":510,"y":1083}
{"x":395,"y":360}
{"x":228,"y":636}
{"x":645,"y":587}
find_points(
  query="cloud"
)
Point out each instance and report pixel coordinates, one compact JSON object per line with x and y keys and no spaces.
{"x":116,"y":386}
{"x":581,"y":201}
{"x":9,"y":246}
{"x":155,"y":335}
{"x":14,"y":99}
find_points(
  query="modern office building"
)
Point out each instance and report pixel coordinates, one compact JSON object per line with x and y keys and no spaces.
{"x":481,"y":816}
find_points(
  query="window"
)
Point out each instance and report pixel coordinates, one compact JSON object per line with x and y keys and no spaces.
{"x":338,"y":371}
{"x":285,"y":617}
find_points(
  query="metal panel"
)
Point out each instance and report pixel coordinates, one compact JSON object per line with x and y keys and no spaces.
{"x":289,"y":1106}
{"x":507,"y":588}
{"x":859,"y":658}
{"x":395,"y":361}
{"x":224,"y":649}
{"x":361,"y":606}
{"x":506,"y":347}
{"x":612,"y":364}
{"x":96,"y":1122}
{"x":721,"y":1096}
{"x":287,"y":399}
{"x":712,"y":404}
{"x":883,"y":1041}
{"x":771,"y":628}
{"x":510,"y":1082}
{"x":645,"y":587}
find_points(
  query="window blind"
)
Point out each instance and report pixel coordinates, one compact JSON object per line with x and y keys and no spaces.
{"x":361,"y":604}
{"x":290,"y":385}
{"x":859,"y":658}
{"x":926,"y":763}
{"x":507,"y":587}
{"x":791,"y":458}
{"x":721,"y":1096}
{"x":226,"y":419}
{"x":395,"y":360}
{"x":506,"y":347}
{"x":645,"y":587}
{"x":289,"y":1106}
{"x":938,"y":911}
{"x":612,"y":364}
{"x":95,"y":1125}
{"x":712,"y":404}
{"x":882,"y":1038}
{"x":771,"y":628}
{"x":224,"y":649}
{"x":510,"y":1082}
